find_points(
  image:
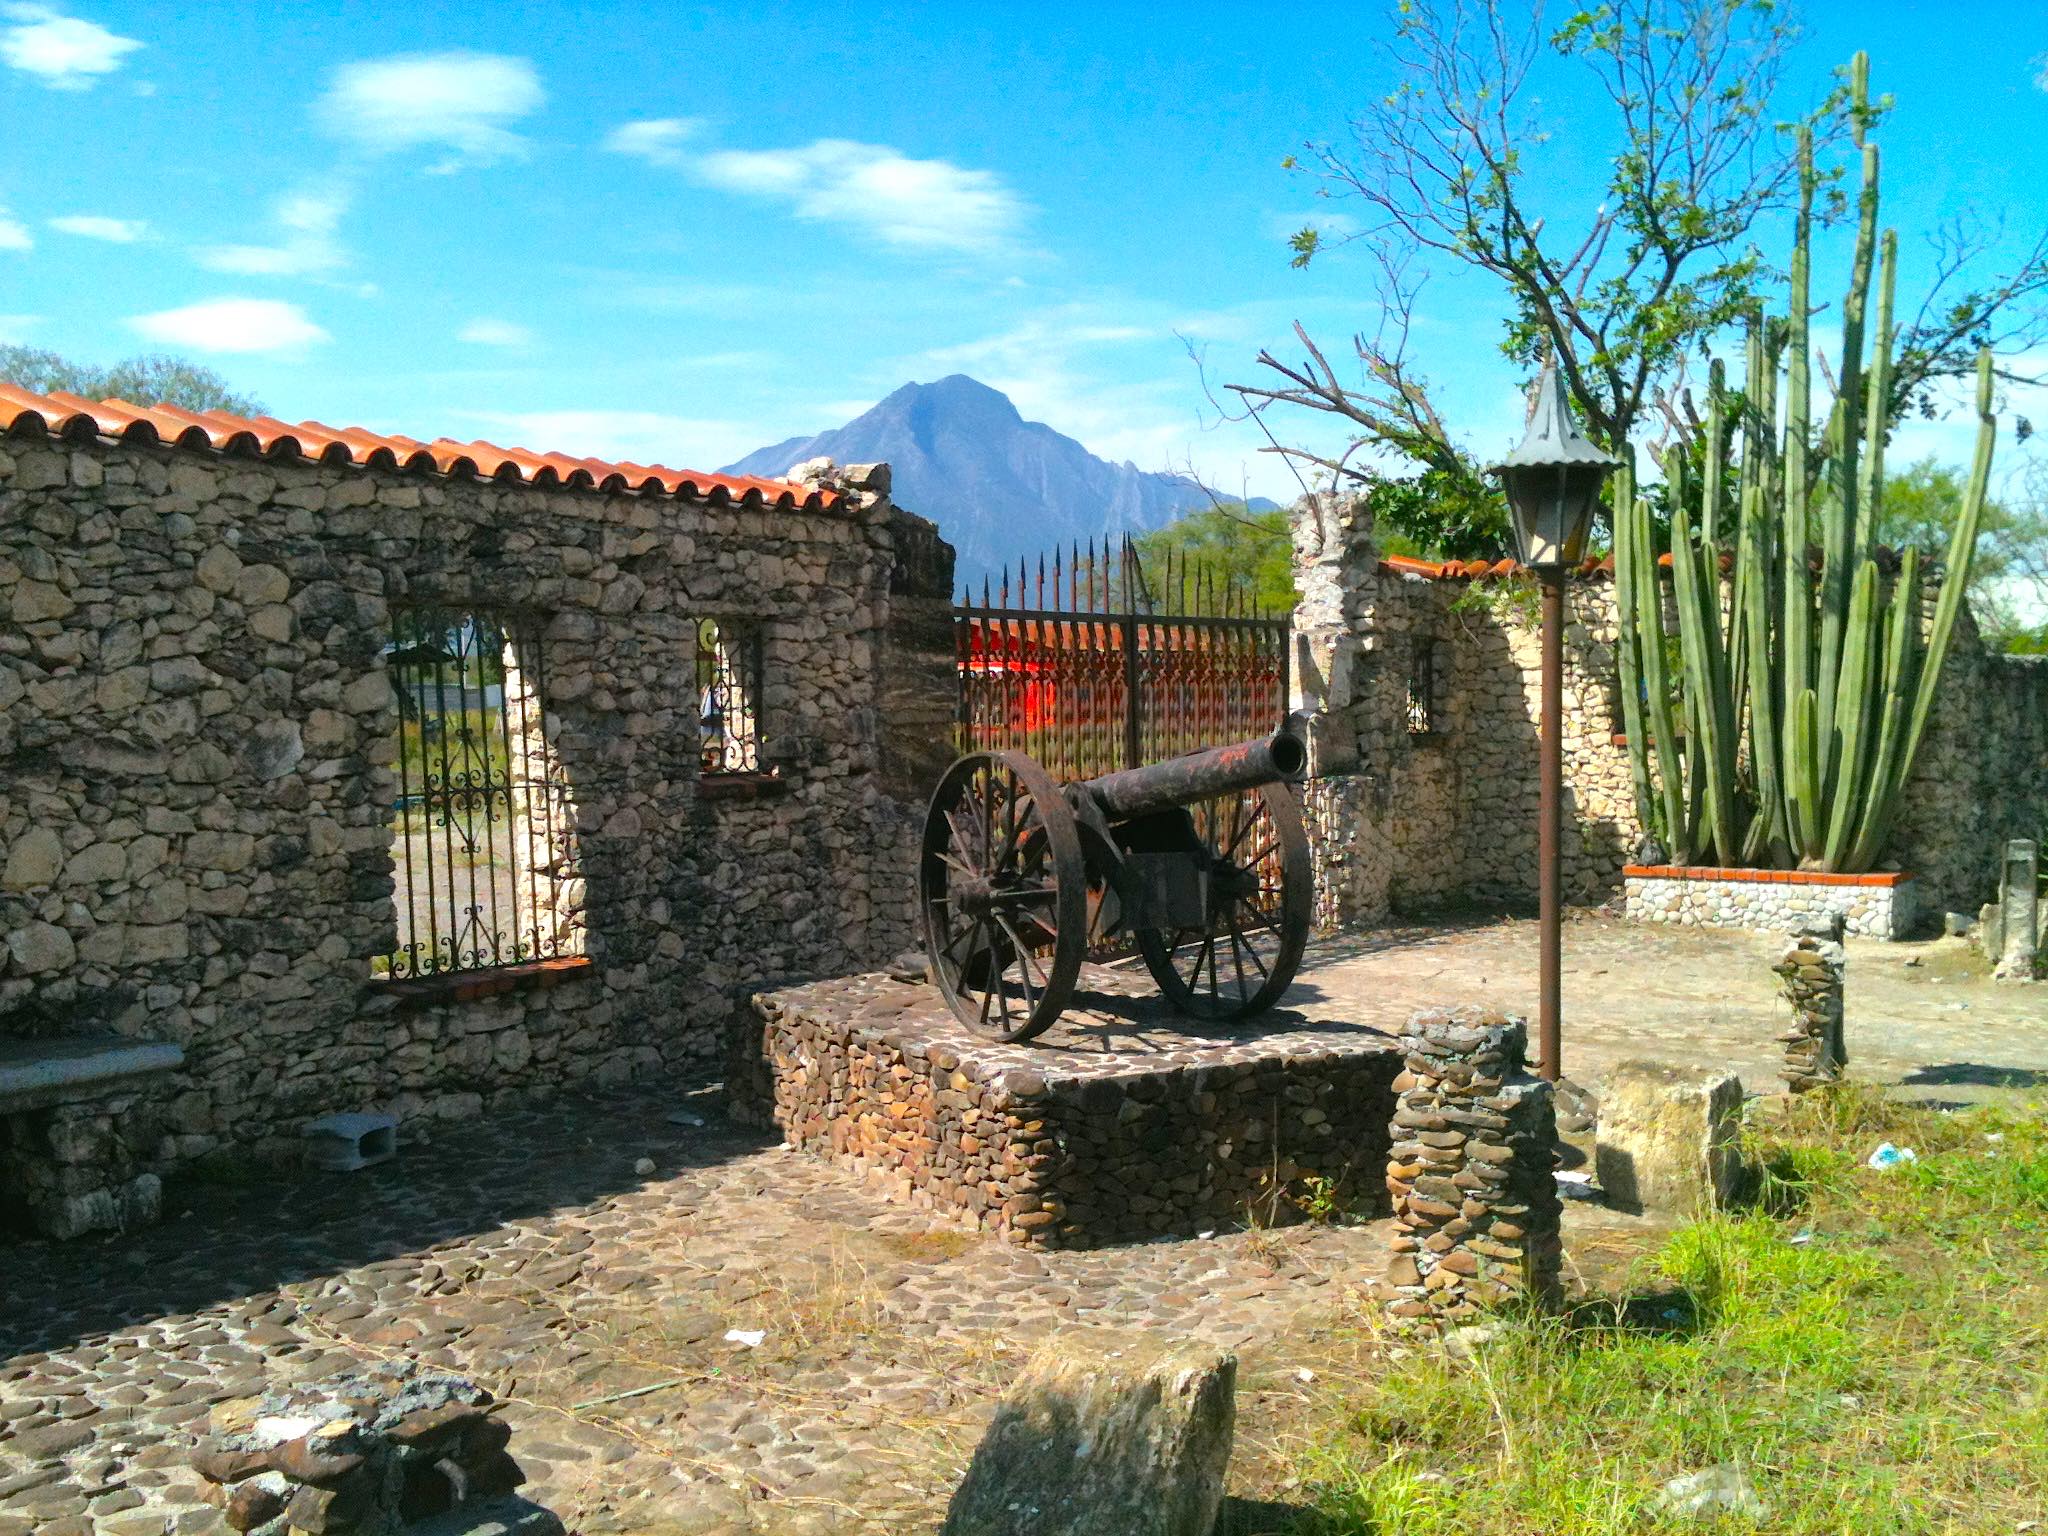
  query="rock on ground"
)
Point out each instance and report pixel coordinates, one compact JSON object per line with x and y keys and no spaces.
{"x":1100,"y":1434}
{"x":1668,"y":1138}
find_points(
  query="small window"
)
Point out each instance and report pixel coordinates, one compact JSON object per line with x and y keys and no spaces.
{"x":483,"y":830}
{"x":1423,"y":717}
{"x":729,"y":665}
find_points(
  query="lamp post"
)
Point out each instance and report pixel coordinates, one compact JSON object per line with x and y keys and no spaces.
{"x":1552,"y":482}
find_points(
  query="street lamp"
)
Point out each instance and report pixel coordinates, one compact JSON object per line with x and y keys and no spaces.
{"x":1552,"y":482}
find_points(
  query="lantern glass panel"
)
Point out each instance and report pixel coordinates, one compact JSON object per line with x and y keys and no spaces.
{"x":1552,"y":506}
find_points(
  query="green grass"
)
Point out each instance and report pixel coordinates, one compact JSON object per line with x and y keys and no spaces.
{"x":1886,"y":1373}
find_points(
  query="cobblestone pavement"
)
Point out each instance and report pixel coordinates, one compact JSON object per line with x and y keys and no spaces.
{"x":529,"y":1254}
{"x":526,"y":1250}
{"x":1923,"y":1018}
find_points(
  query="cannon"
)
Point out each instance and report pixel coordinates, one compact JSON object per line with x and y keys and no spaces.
{"x":1201,"y":860}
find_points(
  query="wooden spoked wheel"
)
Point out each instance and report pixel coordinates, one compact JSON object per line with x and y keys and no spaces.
{"x":1002,"y":894}
{"x":1260,"y":905}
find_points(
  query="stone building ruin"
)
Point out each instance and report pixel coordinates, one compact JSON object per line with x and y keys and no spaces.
{"x":1422,"y":681}
{"x":205,"y":722}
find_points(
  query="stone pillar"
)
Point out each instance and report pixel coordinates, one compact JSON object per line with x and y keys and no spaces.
{"x":1344,"y":806}
{"x":1810,"y":978}
{"x":2019,"y":900}
{"x":1471,"y":1170}
{"x":76,"y":1167}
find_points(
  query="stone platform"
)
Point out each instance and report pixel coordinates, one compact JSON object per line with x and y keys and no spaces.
{"x":1123,"y":1121}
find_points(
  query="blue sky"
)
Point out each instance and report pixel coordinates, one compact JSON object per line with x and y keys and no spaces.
{"x":678,"y":232}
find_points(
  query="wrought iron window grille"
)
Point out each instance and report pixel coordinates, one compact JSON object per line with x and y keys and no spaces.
{"x":483,"y":830}
{"x":730,"y":663}
{"x":1423,"y":716}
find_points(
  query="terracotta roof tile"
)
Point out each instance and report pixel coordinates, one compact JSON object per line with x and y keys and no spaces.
{"x":1484,"y":570}
{"x":60,"y":415}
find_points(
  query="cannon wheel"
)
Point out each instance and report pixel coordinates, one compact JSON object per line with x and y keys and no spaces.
{"x":1002,"y":894}
{"x":1260,"y":904}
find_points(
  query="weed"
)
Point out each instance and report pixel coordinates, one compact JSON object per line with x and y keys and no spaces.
{"x":1319,"y":1199}
{"x":1866,"y":1346}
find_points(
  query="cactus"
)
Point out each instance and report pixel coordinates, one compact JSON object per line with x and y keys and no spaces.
{"x":1805,"y":702}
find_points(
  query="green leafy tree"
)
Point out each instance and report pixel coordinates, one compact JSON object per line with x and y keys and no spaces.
{"x":151,"y":379}
{"x":1450,"y":170}
{"x":2009,"y":581}
{"x":1230,"y":547}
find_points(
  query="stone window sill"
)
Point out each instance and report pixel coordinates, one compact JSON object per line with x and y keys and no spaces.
{"x":741,"y":786}
{"x":467,"y":986}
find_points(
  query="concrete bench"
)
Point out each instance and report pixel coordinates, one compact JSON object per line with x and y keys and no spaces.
{"x":65,"y":1161}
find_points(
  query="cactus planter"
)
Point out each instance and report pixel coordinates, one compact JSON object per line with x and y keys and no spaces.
{"x":1801,"y":703}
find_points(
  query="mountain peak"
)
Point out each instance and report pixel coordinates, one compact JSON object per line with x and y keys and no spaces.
{"x":1001,"y":489}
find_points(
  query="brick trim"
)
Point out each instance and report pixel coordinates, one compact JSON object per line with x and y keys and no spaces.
{"x":741,"y":786}
{"x":467,"y":986}
{"x":1760,"y":876}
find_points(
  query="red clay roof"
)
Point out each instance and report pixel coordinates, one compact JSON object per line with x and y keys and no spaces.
{"x":1483,"y":570}
{"x":69,"y":416}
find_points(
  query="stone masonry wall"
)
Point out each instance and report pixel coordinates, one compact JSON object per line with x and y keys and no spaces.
{"x":196,"y":750}
{"x":1056,"y":1145}
{"x":1874,"y":906}
{"x":1450,"y":817}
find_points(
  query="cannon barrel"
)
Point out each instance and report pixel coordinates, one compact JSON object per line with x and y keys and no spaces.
{"x":1195,"y":776}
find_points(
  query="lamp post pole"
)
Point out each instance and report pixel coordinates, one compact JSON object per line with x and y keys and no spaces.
{"x":1552,"y":483}
{"x":1550,"y":826}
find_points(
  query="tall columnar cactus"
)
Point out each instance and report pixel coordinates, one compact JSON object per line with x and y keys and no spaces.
{"x":1799,"y":704}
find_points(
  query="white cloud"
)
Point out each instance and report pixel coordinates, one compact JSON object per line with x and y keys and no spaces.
{"x":877,"y":191}
{"x":14,"y":235}
{"x":95,"y":226}
{"x":232,"y":325}
{"x":462,"y":103}
{"x":63,"y":52}
{"x":14,"y":329}
{"x":495,"y":333}
{"x":2041,"y":71}
{"x":656,"y":140}
{"x":307,"y":222}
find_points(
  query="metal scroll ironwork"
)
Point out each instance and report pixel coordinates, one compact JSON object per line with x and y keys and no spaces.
{"x":483,"y":832}
{"x":729,"y":682}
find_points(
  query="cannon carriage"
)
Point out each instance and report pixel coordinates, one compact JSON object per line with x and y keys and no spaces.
{"x":1201,"y":861}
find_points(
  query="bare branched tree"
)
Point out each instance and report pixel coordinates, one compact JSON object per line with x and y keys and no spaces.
{"x":1442,"y":171}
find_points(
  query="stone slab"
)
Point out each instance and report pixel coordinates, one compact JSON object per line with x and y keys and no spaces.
{"x":39,"y":1072}
{"x":494,"y":1517}
{"x":1123,"y":1121}
{"x":1114,"y":1433}
{"x":1668,"y":1139}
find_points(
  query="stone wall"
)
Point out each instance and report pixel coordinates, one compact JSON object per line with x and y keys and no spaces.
{"x":1097,"y":1132}
{"x":197,"y":734}
{"x":1407,"y":822}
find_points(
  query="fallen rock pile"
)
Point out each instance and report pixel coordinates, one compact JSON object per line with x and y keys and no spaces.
{"x":363,"y":1454}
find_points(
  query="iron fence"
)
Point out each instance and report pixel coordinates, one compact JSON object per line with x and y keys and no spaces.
{"x":1090,"y":663}
{"x":483,"y":836}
